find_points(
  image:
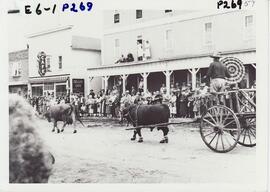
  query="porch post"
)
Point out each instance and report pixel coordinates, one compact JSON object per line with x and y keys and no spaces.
{"x":29,"y":89}
{"x":88,"y":84}
{"x":67,"y":87}
{"x":168,"y":80}
{"x":124,"y":78}
{"x":144,"y":75}
{"x":193,"y":72}
{"x":253,"y":65}
{"x":105,"y":80}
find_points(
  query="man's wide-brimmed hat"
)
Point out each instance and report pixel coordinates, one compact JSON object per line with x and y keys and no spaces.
{"x":216,"y":55}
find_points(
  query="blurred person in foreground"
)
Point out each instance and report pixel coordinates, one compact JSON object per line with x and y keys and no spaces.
{"x":29,"y":160}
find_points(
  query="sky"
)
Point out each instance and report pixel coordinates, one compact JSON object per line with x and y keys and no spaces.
{"x":20,"y":25}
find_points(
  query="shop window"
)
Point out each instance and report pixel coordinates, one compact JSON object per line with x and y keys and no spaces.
{"x":116,"y":17}
{"x":60,"y":62}
{"x":48,"y":86}
{"x":248,"y":32}
{"x":139,"y":14}
{"x":16,"y":69}
{"x":208,"y":33}
{"x":37,"y":91}
{"x":61,"y":90}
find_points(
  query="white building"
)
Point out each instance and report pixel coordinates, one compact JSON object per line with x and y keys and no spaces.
{"x":180,"y":45}
{"x":66,"y":59}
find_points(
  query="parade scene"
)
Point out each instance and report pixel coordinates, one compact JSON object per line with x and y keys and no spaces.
{"x":163,"y":96}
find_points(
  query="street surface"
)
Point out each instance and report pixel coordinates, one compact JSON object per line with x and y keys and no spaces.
{"x":104,"y":153}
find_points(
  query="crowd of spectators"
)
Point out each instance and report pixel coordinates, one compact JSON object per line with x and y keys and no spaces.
{"x":109,"y":103}
{"x":182,"y":100}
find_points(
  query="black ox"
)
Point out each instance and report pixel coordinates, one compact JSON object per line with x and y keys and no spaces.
{"x":62,"y":112}
{"x":139,"y":115}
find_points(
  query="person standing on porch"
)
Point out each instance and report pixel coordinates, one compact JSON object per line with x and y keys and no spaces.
{"x":163,"y":89}
{"x":140,"y":87}
{"x":147,"y":52}
{"x":177,"y":103}
{"x":173,"y":104}
{"x":140,"y":51}
{"x":217,"y":73}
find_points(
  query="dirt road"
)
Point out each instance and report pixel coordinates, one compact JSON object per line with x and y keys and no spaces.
{"x":103,"y":153}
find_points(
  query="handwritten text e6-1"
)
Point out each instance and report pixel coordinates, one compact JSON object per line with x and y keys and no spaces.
{"x":66,"y":7}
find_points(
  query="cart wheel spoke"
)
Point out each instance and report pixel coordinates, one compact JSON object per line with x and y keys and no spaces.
{"x":244,"y":138}
{"x":221,"y":136}
{"x":216,"y":114}
{"x":249,"y":137}
{"x":209,"y":134}
{"x":213,"y":139}
{"x":217,"y":141}
{"x":225,"y":119}
{"x":229,"y":123}
{"x":205,"y":120}
{"x":211,"y":116}
{"x":252,"y":133}
{"x":230,"y":129}
{"x":227,"y":138}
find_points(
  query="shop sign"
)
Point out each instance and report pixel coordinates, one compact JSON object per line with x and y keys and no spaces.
{"x":78,"y":86}
{"x":41,"y":60}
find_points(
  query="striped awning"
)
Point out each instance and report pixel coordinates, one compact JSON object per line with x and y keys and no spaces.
{"x":52,"y":79}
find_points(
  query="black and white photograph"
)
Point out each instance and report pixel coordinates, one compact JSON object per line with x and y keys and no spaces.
{"x":132,"y":96}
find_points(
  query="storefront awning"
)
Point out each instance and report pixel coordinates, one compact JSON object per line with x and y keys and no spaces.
{"x":17,"y":83}
{"x":53,"y":79}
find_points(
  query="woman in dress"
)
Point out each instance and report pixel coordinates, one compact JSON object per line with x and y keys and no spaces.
{"x":183,"y":103}
{"x":140,"y":51}
{"x":147,"y":52}
{"x":173,"y":104}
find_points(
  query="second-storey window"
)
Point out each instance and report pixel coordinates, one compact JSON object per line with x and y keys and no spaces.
{"x":168,"y":39}
{"x":60,"y":62}
{"x":48,"y":63}
{"x":248,"y":33}
{"x":117,"y":48}
{"x":16,"y":69}
{"x":116,"y":17}
{"x":168,"y":11}
{"x":208,"y":33}
{"x":139,"y":14}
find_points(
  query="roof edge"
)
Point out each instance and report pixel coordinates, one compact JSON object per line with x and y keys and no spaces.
{"x":52,"y":30}
{"x":191,"y":56}
{"x":84,"y":49}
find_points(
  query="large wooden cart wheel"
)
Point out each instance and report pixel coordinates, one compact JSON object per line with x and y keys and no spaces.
{"x":220,"y":129}
{"x":248,"y":131}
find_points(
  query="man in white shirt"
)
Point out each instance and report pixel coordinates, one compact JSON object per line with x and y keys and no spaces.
{"x":140,"y":51}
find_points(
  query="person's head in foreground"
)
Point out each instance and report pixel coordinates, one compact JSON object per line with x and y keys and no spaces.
{"x":29,"y":161}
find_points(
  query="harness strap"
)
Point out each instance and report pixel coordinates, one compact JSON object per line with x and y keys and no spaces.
{"x":136,"y":117}
{"x":71,"y":109}
{"x":130,"y":117}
